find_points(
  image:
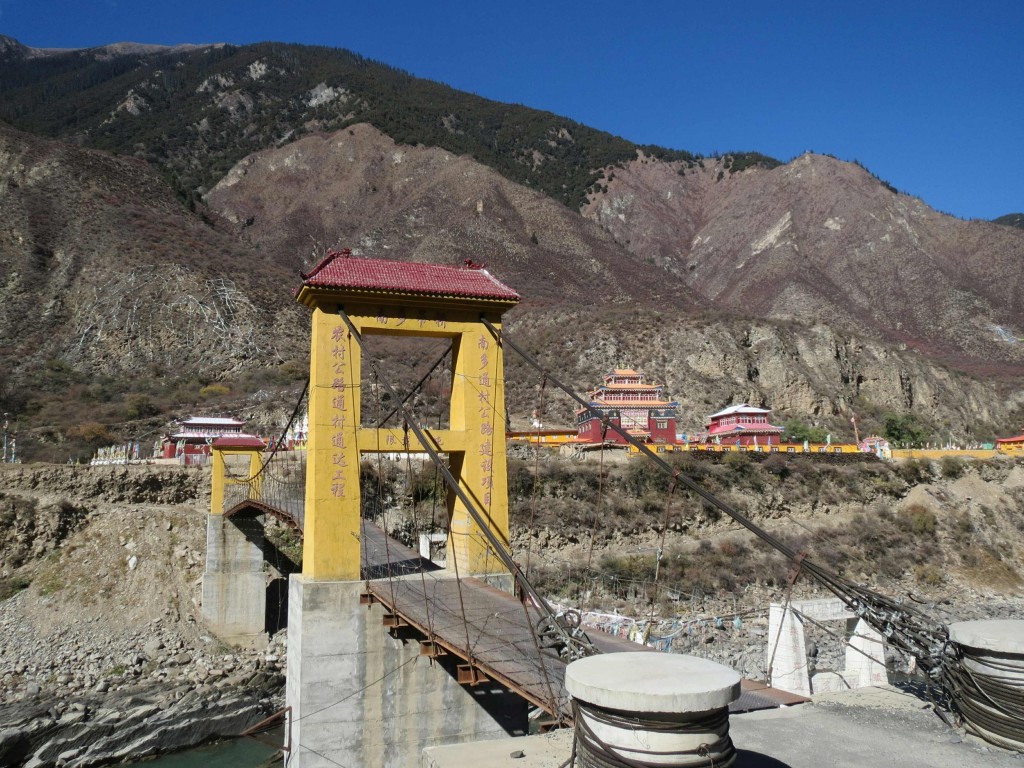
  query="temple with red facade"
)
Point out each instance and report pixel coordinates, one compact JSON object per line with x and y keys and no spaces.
{"x":628,"y":400}
{"x":741,"y":425}
{"x":190,"y":442}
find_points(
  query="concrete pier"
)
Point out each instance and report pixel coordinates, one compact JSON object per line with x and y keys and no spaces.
{"x":361,"y":696}
{"x":786,"y":654}
{"x":234,"y":582}
{"x":684,"y":699}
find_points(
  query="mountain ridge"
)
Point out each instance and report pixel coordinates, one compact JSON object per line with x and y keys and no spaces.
{"x":730,"y":278}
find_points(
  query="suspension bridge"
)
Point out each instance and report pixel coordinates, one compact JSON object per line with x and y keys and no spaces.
{"x":387,"y":651}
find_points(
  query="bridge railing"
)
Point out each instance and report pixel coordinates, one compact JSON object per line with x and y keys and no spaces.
{"x":280,"y":484}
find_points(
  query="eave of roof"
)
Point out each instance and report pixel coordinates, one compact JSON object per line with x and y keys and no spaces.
{"x":749,"y":428}
{"x":618,"y":386}
{"x":742,"y":408}
{"x":219,"y":421}
{"x":378,"y":277}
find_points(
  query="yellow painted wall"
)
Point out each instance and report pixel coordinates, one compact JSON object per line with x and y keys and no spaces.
{"x":937,"y":453}
{"x":786,"y":448}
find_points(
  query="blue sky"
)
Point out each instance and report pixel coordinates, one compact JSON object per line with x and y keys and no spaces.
{"x":928,"y":95}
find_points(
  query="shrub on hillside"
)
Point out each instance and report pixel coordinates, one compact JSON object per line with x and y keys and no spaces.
{"x":915,"y":471}
{"x":91,"y":432}
{"x":777,"y":464}
{"x":214,"y":390}
{"x":918,"y":519}
{"x":139,"y":406}
{"x":952,"y":467}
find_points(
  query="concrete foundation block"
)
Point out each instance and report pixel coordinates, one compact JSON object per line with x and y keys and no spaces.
{"x":787,"y":649}
{"x":786,"y":657}
{"x":865,"y":657}
{"x":359,"y":696}
{"x":234,"y":583}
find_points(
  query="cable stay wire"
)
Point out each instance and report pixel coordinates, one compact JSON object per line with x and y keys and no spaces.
{"x":415,"y":388}
{"x":572,"y":642}
{"x":284,"y":432}
{"x":905,"y":627}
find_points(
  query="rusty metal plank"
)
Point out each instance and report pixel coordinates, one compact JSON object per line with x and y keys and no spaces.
{"x":467,"y":674}
{"x":431,"y":649}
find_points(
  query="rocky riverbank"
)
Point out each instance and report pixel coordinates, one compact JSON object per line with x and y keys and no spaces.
{"x":182,"y":702}
{"x":102,"y":654}
{"x":79,"y":696}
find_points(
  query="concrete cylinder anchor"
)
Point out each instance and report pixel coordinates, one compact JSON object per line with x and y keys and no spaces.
{"x":652,"y":708}
{"x":987,"y":681}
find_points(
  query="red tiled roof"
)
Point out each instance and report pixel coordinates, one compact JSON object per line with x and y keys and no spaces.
{"x":618,"y":385}
{"x":1017,"y":439}
{"x":340,"y":271}
{"x":748,"y":428}
{"x":239,"y":441}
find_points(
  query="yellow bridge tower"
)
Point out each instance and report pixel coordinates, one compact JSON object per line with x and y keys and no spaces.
{"x":352,"y":296}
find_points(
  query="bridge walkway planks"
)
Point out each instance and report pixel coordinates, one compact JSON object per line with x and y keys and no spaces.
{"x":497,"y":637}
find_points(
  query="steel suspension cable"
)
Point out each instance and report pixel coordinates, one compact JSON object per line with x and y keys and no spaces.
{"x":416,"y":529}
{"x":380,"y":498}
{"x":536,"y":478}
{"x":574,"y":641}
{"x":661,"y":543}
{"x":415,"y":387}
{"x":284,"y":432}
{"x":906,"y":628}
{"x":597,"y":504}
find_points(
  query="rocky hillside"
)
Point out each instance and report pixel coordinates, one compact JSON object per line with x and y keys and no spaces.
{"x":812,"y":373}
{"x":926,"y":527}
{"x":195,"y":113}
{"x":357,"y":188}
{"x":105,"y":270}
{"x":822,"y":240}
{"x":119,"y":304}
{"x":388,"y":200}
{"x":157,"y":281}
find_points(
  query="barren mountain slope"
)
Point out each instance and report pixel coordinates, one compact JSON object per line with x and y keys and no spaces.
{"x":822,"y":239}
{"x":358,"y":188}
{"x":105,"y":270}
{"x":814,"y":373}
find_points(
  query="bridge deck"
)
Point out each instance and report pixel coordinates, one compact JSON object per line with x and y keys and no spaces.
{"x":488,"y":629}
{"x":496,"y":637}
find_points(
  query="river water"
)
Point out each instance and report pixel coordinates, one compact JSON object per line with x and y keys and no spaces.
{"x":237,"y":753}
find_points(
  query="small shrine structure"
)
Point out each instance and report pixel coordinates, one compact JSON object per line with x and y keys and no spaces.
{"x":628,"y":400}
{"x":1010,"y":444}
{"x":192,"y":438}
{"x":741,"y":425}
{"x":876,"y":445}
